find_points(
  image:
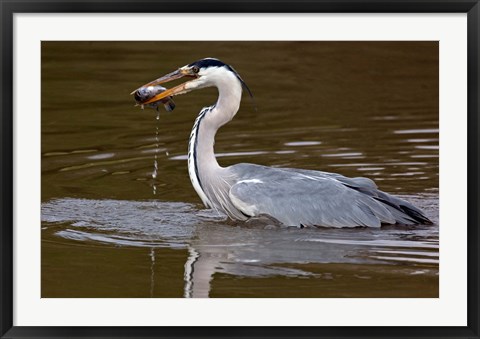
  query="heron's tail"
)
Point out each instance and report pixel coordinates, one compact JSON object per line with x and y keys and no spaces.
{"x":404,"y":212}
{"x":416,"y":214}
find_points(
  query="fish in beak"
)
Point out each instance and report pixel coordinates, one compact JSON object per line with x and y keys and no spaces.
{"x":167,"y":94}
{"x":145,"y":93}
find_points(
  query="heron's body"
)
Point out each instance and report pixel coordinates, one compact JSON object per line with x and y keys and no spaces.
{"x":294,"y":197}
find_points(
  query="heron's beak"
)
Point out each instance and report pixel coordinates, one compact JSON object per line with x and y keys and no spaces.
{"x":180,"y":89}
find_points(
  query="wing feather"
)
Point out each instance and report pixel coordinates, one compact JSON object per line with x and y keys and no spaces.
{"x":305,"y":197}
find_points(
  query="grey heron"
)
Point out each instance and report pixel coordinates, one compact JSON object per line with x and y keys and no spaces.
{"x":293,"y":197}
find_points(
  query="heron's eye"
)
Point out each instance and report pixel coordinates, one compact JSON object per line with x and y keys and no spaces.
{"x":195,"y":69}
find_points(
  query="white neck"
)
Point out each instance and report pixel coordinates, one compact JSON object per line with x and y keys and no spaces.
{"x":204,"y":170}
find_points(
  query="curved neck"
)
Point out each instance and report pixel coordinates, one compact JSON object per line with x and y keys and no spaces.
{"x":203,"y":167}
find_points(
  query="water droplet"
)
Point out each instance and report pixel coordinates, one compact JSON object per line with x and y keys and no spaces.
{"x":155,"y":168}
{"x":155,"y":162}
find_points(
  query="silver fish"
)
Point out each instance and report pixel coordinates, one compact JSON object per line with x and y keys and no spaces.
{"x":143,"y":94}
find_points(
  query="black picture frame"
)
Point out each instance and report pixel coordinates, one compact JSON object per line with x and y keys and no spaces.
{"x":10,"y":7}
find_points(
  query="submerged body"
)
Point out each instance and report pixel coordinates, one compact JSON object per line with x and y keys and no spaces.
{"x":293,"y":197}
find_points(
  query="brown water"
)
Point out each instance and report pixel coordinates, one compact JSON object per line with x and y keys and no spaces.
{"x":109,"y":229}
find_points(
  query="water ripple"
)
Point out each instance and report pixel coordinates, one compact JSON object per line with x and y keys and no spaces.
{"x":179,"y":225}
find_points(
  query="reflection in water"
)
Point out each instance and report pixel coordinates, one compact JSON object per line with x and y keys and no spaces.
{"x":152,"y":278}
{"x":248,"y":250}
{"x":188,"y":276}
{"x":417,"y":131}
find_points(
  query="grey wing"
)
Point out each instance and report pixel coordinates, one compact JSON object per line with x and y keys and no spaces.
{"x":300,"y":197}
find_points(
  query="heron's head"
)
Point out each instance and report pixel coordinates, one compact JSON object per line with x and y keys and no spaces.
{"x":202,"y":73}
